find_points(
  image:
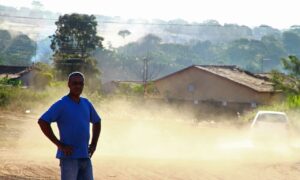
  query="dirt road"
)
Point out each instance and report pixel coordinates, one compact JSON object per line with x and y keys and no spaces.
{"x":147,"y":150}
{"x":120,"y":168}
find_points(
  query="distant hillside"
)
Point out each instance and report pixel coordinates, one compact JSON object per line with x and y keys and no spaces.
{"x":40,"y":24}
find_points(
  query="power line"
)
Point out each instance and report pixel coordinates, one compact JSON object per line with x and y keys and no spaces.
{"x":25,"y":17}
{"x":113,"y":22}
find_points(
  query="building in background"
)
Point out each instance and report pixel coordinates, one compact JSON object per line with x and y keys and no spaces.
{"x":25,"y":74}
{"x":223,"y":86}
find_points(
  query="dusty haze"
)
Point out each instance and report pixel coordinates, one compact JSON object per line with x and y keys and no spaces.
{"x":148,"y":140}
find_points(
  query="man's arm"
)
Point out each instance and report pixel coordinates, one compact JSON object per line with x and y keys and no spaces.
{"x":95,"y":137}
{"x":47,"y":130}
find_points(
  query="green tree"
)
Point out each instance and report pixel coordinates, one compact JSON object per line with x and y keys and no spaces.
{"x":20,"y":51}
{"x":124,"y":33}
{"x":292,"y":66}
{"x":73,"y":43}
{"x":289,"y":83}
{"x":75,"y":36}
{"x":16,"y":51}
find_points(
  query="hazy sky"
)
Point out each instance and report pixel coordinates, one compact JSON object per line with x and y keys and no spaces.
{"x":277,"y":13}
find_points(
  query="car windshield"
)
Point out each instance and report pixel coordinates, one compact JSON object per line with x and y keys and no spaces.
{"x":274,"y":118}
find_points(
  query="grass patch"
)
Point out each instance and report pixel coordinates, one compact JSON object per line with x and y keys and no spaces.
{"x":18,"y":98}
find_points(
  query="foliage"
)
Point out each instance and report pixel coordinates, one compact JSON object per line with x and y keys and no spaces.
{"x":21,"y":49}
{"x":75,"y":36}
{"x":293,"y":101}
{"x":10,"y":82}
{"x":74,"y":40}
{"x":253,"y":55}
{"x":124,"y":33}
{"x":42,"y":79}
{"x":19,"y":98}
{"x":16,"y":50}
{"x":292,"y":66}
{"x":289,"y":83}
{"x":44,"y":67}
{"x":135,"y":89}
{"x":151,"y":89}
{"x":130,"y":89}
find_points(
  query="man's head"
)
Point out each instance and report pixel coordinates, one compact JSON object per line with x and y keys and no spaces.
{"x":76,"y":83}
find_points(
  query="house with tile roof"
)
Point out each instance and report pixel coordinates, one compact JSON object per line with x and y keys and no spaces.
{"x":220,"y":85}
{"x":23,"y":73}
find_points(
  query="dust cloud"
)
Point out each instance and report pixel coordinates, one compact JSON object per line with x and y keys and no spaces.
{"x":150,"y":140}
{"x":156,"y":130}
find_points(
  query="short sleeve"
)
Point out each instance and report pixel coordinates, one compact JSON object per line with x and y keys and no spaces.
{"x":94,"y":117}
{"x":53,"y":113}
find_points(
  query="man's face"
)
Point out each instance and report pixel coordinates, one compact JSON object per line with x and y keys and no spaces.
{"x":76,"y":84}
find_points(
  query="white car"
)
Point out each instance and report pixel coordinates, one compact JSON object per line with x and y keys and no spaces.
{"x":270,"y":128}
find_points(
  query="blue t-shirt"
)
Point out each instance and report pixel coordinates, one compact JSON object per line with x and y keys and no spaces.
{"x":73,"y":120}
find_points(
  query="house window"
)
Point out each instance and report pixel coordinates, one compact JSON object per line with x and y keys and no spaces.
{"x":191,"y":88}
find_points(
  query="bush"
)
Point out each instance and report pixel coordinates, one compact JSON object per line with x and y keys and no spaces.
{"x":293,"y":101}
{"x":12,"y":82}
{"x":4,"y":96}
{"x":18,"y":98}
{"x":136,"y":89}
{"x":42,"y":80}
{"x":130,"y":89}
{"x":289,"y":83}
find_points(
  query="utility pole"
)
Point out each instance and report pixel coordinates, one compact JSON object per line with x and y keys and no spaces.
{"x":145,"y":74}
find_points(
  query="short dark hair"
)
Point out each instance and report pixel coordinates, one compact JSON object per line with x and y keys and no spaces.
{"x":76,"y":73}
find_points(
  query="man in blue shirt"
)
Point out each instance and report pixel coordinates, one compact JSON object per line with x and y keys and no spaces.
{"x":73,"y":115}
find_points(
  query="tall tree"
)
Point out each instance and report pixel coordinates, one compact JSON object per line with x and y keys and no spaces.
{"x":124,"y":33}
{"x":20,"y":51}
{"x":73,"y":42}
{"x":75,"y":36}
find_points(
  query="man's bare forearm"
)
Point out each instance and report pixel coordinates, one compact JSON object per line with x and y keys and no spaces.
{"x":96,"y":133}
{"x":47,"y":130}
